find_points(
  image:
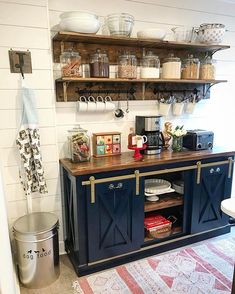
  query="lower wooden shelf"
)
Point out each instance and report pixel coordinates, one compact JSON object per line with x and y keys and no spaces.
{"x":165,"y":201}
{"x":175,"y":231}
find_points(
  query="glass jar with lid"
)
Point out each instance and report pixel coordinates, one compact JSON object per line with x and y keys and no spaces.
{"x":70,"y":62}
{"x":171,"y":67}
{"x":190,"y":68}
{"x":207,"y":69}
{"x":127,"y":66}
{"x":150,"y":66}
{"x":79,"y":145}
{"x":99,"y":64}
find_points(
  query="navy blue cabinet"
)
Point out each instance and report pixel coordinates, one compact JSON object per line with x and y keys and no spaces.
{"x":115,"y":220}
{"x":214,"y":186}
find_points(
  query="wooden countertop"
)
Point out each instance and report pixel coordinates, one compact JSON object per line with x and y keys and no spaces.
{"x":125,"y":160}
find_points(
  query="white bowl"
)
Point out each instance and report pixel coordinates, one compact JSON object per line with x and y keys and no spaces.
{"x":80,"y":25}
{"x":152,"y":33}
{"x":78,"y":13}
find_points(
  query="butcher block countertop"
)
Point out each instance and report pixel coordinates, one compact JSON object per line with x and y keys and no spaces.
{"x":126,"y":160}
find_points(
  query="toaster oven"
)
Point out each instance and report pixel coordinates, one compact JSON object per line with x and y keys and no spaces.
{"x":198,"y":139}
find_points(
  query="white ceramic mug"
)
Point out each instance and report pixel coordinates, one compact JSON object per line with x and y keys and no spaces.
{"x":91,"y":104}
{"x":82,"y":104}
{"x":109,"y":106}
{"x":100,"y":105}
{"x":140,"y":140}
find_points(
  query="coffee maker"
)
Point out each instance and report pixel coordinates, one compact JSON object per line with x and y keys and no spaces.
{"x":150,"y":127}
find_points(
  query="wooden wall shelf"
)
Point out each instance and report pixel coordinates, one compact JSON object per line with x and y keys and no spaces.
{"x":134,"y":42}
{"x":143,"y":89}
{"x":113,"y":80}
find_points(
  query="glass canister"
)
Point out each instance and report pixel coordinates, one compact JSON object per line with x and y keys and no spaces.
{"x":70,"y":63}
{"x":208,"y":69}
{"x":99,"y":64}
{"x":171,"y":67}
{"x":127,"y":66}
{"x":190,"y":68}
{"x":150,"y":66}
{"x":79,"y":145}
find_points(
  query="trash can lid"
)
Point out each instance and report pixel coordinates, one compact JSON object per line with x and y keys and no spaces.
{"x":35,"y":223}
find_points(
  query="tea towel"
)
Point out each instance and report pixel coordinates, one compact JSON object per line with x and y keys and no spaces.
{"x":28,"y":142}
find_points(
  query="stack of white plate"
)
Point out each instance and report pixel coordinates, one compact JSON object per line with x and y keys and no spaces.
{"x":155,"y":187}
{"x":178,"y":186}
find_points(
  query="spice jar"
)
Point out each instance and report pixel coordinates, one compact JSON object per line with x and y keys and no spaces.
{"x":70,"y":63}
{"x":171,"y":67}
{"x":127,"y":66}
{"x":99,"y":64}
{"x":150,"y":66}
{"x":207,"y":69}
{"x":79,"y":145}
{"x":190,"y":68}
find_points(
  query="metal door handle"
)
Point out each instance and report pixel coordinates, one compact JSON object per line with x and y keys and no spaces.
{"x":119,"y":186}
{"x":218,"y":170}
{"x":111,"y":186}
{"x":212,"y":171}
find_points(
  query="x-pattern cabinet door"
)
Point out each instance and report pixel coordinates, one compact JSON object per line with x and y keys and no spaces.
{"x":214,"y":187}
{"x":116,"y":220}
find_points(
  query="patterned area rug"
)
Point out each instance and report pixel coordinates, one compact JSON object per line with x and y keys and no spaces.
{"x":205,"y":267}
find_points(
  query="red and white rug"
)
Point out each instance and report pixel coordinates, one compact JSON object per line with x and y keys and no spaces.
{"x":205,"y":267}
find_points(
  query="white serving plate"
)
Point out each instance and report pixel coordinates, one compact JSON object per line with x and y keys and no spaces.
{"x":156,"y":186}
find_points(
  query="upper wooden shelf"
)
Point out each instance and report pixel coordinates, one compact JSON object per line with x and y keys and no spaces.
{"x":112,"y":80}
{"x":135,"y":42}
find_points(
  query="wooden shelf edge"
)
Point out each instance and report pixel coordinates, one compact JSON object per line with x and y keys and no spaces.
{"x":105,"y":39}
{"x":168,"y":201}
{"x":112,"y":80}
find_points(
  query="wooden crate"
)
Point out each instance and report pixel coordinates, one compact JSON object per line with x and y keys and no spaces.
{"x":106,"y":144}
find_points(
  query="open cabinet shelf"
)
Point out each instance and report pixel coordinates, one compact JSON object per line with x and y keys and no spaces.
{"x":166,"y":201}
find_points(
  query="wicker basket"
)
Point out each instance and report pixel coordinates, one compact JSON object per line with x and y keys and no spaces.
{"x":157,"y":226}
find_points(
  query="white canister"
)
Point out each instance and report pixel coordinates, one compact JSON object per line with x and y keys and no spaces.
{"x":171,"y":67}
{"x":178,"y":108}
{"x":189,"y":108}
{"x":150,"y":66}
{"x":164,"y":108}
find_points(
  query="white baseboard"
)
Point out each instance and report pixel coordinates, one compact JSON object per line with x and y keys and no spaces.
{"x":61,"y":248}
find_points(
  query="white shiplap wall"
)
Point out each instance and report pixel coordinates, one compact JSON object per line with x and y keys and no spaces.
{"x":24,"y":26}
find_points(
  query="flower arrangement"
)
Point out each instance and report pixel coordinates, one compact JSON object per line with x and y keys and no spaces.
{"x":177,"y":135}
{"x":179,"y":131}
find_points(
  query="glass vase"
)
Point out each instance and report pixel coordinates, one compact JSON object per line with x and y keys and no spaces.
{"x":177,"y":144}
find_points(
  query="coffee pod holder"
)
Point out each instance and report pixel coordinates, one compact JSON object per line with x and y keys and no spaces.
{"x":137,"y":154}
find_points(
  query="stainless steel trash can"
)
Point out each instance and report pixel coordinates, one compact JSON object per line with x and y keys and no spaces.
{"x":37,"y":249}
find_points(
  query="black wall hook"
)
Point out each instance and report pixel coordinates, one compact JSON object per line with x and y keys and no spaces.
{"x":21,"y":63}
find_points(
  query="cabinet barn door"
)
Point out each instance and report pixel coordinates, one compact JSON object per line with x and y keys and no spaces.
{"x":214,"y":187}
{"x":116,"y":220}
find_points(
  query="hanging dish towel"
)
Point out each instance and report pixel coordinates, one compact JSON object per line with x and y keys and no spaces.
{"x":28,"y":142}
